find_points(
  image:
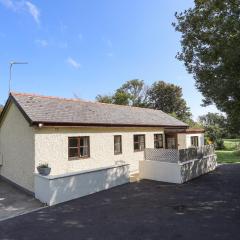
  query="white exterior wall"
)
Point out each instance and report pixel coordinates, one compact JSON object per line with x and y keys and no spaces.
{"x":17,"y":149}
{"x":56,"y":189}
{"x":51,"y":146}
{"x":184,"y":139}
{"x":200,"y":139}
{"x":181,"y":139}
{"x":176,"y":172}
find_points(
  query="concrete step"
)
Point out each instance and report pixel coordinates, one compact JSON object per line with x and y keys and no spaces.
{"x":134,"y":177}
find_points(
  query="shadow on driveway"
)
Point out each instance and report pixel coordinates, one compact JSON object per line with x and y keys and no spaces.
{"x":205,"y":208}
{"x":14,"y":201}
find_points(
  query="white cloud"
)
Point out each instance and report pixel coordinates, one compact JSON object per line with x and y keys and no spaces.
{"x":8,"y":4}
{"x":33,"y":10}
{"x":23,"y":6}
{"x":73,"y":63}
{"x":42,"y":42}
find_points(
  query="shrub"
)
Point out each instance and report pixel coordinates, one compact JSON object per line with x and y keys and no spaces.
{"x":43,"y":165}
{"x":219,"y":144}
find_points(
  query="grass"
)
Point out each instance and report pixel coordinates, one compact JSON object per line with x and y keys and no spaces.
{"x":227,"y":157}
{"x":230,"y":153}
{"x":231,"y":144}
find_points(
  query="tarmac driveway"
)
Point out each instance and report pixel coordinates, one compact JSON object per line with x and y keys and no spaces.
{"x":205,"y":208}
{"x":14,"y":201}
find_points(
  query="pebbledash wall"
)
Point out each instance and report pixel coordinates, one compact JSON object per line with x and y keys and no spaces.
{"x":184,"y":139}
{"x":17,"y":149}
{"x":23,"y":148}
{"x":51,"y":146}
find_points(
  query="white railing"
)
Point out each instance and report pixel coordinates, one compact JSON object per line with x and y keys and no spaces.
{"x":175,"y":156}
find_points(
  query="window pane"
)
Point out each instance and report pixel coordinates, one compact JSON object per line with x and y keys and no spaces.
{"x":117,"y":144}
{"x":156,"y":144}
{"x":84,"y":146}
{"x":136,"y":146}
{"x":84,"y":152}
{"x":139,"y":142}
{"x":84,"y":141}
{"x":158,"y":140}
{"x":73,"y":152}
{"x":194,"y":141}
{"x":73,"y":142}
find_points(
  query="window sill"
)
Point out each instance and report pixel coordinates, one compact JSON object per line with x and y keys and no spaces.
{"x":117,"y":153}
{"x":77,"y":158}
{"x":139,"y":150}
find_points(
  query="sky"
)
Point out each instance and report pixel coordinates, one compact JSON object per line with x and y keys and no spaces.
{"x":88,"y":47}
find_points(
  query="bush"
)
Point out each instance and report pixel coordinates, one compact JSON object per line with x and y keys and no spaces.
{"x":219,"y":144}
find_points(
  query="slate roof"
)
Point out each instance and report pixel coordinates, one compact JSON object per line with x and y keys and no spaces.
{"x":73,"y":112}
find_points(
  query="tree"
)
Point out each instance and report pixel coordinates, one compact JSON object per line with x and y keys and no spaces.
{"x":104,"y":98}
{"x":216,"y":127}
{"x":168,"y":98}
{"x":136,"y":90}
{"x":162,"y":96}
{"x":132,"y":93}
{"x":210,"y":51}
{"x":121,"y":98}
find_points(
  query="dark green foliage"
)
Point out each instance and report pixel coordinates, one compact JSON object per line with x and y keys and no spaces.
{"x":216,"y":128}
{"x":136,"y":91}
{"x":168,"y":98}
{"x":219,"y":144}
{"x":211,"y":52}
{"x":104,"y":98}
{"x":162,"y":96}
{"x":132,"y":93}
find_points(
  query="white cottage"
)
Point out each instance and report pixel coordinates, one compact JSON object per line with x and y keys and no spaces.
{"x":73,"y":135}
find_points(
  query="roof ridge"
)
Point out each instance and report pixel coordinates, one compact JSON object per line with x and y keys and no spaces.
{"x":81,"y":100}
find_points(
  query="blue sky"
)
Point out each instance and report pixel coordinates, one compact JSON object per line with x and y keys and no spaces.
{"x":90,"y":47}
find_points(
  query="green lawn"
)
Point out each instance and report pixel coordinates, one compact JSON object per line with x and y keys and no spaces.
{"x":231,"y":144}
{"x":229,"y":154}
{"x":227,"y":157}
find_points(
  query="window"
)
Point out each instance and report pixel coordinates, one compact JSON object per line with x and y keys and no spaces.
{"x":117,"y":144}
{"x":194,"y":141}
{"x":139,"y":142}
{"x":78,"y":147}
{"x":158,"y":141}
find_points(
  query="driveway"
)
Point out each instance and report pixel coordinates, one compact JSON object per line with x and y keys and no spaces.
{"x":14,"y":201}
{"x":205,"y":208}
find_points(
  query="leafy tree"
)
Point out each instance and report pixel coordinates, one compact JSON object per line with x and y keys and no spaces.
{"x":210,"y":51}
{"x":216,"y":127}
{"x":136,"y":90}
{"x":121,"y":98}
{"x":104,"y":98}
{"x":161,"y":96}
{"x":168,"y":98}
{"x":132,"y":93}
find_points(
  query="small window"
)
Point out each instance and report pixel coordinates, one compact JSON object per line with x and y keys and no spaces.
{"x":78,"y":147}
{"x":158,"y":141}
{"x":117,"y":144}
{"x":139,"y":142}
{"x":194,"y":141}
